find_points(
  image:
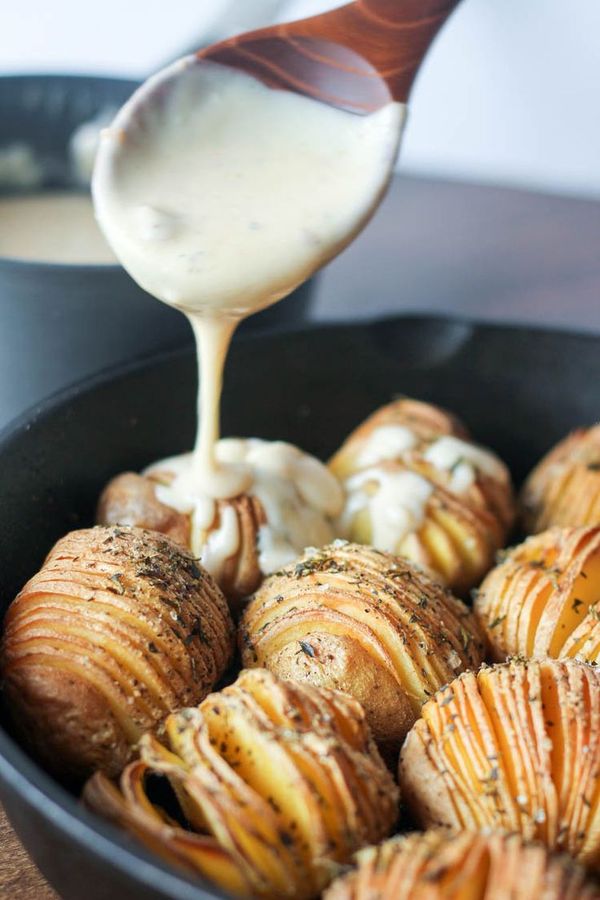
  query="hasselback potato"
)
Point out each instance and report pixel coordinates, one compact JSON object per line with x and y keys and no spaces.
{"x":290,"y":504}
{"x":417,"y":486}
{"x":468,"y":866}
{"x":564,"y":488}
{"x":280,"y":783}
{"x":515,"y":747}
{"x":118,"y":628}
{"x":365,"y":622}
{"x":543,"y":599}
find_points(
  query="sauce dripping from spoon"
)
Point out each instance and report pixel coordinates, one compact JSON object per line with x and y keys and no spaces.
{"x":220,"y":196}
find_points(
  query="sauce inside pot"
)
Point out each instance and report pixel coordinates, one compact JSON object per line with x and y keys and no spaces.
{"x":54,"y":227}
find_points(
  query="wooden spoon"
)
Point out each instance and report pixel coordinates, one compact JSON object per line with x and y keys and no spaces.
{"x":358,"y":57}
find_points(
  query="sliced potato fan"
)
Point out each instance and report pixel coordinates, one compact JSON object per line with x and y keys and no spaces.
{"x":365,"y":622}
{"x":544,"y":597}
{"x":564,"y":488}
{"x":515,"y":747}
{"x":118,"y":628}
{"x":280,"y":784}
{"x":466,"y":866}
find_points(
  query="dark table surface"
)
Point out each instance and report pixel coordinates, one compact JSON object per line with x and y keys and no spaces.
{"x":489,"y":253}
{"x":435,"y":246}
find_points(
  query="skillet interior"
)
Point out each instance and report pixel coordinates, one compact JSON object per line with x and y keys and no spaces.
{"x":518,"y":389}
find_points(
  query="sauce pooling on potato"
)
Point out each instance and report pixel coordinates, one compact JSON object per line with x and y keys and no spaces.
{"x":298,"y":494}
{"x":396,"y":499}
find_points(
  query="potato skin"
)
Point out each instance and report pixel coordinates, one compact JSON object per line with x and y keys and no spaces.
{"x":437,"y":866}
{"x":371,"y":624}
{"x":119,"y":627}
{"x":130,"y":499}
{"x":543,"y":598}
{"x":280,"y":782}
{"x":514,"y":747}
{"x":564,"y":488}
{"x":460,"y":529}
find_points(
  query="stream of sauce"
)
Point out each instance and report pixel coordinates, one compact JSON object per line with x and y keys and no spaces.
{"x":220,"y":196}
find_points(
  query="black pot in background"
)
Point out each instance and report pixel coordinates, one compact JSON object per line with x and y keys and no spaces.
{"x":59,"y":323}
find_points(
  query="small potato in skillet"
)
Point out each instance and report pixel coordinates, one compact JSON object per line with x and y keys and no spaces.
{"x":118,"y":628}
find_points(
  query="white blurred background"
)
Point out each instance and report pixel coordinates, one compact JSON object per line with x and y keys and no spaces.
{"x":510,"y":94}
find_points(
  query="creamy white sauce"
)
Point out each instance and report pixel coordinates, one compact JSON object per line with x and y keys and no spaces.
{"x":299,"y":495}
{"x":451,"y":454}
{"x":216,"y":546}
{"x":386,"y":442}
{"x":52,"y":226}
{"x":220,"y":196}
{"x":84,"y":143}
{"x":396,"y":501}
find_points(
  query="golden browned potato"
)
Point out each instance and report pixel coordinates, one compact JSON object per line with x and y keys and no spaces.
{"x":544,"y":598}
{"x":467,"y":866}
{"x":118,"y":628}
{"x":130,"y":499}
{"x":290,"y":504}
{"x":417,"y":486}
{"x":355,"y":619}
{"x":564,"y":487}
{"x":280,"y":783}
{"x":515,"y":747}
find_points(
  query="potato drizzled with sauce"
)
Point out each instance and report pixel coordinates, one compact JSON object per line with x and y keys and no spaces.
{"x":290,"y":504}
{"x":295,"y":490}
{"x":417,"y":486}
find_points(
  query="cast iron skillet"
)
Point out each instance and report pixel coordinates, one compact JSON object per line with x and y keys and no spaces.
{"x":518,"y":389}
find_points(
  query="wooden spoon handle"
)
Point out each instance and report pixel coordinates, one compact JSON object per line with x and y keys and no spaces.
{"x":358,"y":57}
{"x":393,"y":35}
